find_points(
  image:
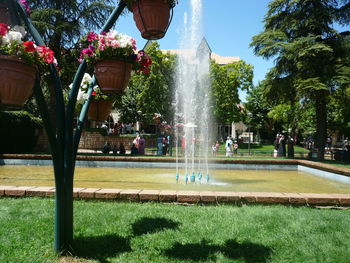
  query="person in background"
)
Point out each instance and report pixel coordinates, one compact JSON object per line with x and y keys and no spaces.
{"x":115,"y":149}
{"x":121,"y":149}
{"x":217,"y":146}
{"x":104,"y":126}
{"x":136,"y":141}
{"x":228,"y":147}
{"x":165,"y":144}
{"x":329,"y":143}
{"x":183,"y":144}
{"x":235,"y":148}
{"x":133,"y":150}
{"x":141,"y":144}
{"x":106,"y":148}
{"x":213,"y":150}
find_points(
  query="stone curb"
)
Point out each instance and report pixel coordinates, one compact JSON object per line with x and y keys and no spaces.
{"x":317,"y":165}
{"x":196,"y":197}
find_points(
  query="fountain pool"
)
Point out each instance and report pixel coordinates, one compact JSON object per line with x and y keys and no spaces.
{"x":297,"y":179}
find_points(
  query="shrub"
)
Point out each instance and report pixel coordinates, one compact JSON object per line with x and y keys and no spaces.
{"x":18,"y":131}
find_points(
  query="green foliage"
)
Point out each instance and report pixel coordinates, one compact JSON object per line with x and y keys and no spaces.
{"x":63,"y":23}
{"x":258,"y":103}
{"x":150,"y":93}
{"x":311,"y":57}
{"x":226,"y":81}
{"x":18,"y":132}
{"x":280,"y":112}
{"x":154,"y":93}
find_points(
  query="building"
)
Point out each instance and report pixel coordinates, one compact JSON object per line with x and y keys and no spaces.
{"x":235,"y":130}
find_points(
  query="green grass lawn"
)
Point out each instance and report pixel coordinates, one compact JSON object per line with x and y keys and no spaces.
{"x":151,"y":232}
{"x":255,"y":149}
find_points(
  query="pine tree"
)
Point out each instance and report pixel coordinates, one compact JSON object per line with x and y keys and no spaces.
{"x":62,"y":23}
{"x":310,"y":55}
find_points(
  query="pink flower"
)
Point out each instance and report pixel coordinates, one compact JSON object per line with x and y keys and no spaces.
{"x":115,"y":43}
{"x":88,"y":52}
{"x":3,"y":29}
{"x":91,"y":36}
{"x":26,"y":5}
{"x":46,"y":53}
{"x":133,"y":44}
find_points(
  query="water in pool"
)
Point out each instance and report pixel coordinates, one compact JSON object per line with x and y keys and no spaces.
{"x":165,"y":179}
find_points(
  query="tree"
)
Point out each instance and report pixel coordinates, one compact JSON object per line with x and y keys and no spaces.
{"x":226,"y":81}
{"x":259,"y":105}
{"x":150,"y":93}
{"x":308,"y":52}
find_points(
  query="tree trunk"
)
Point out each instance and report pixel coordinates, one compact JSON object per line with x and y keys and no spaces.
{"x":321,"y":122}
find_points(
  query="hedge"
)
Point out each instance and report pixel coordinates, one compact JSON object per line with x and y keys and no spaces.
{"x":18,"y":131}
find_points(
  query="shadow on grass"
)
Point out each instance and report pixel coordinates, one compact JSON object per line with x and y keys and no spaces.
{"x":100,"y":247}
{"x":249,"y":252}
{"x":147,"y":225}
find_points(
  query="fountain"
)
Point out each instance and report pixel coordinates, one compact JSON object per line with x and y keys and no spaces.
{"x":192,"y":99}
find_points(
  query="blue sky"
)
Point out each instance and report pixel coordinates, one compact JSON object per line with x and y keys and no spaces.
{"x":228,"y":26}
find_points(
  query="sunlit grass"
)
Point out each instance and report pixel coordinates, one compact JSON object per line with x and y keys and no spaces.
{"x":151,"y":232}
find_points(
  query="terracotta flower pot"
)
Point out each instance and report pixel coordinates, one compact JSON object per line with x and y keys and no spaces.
{"x":17,"y":81}
{"x":99,"y":110}
{"x":151,"y":18}
{"x":113,"y":75}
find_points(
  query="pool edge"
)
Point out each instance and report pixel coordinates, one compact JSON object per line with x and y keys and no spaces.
{"x":190,"y":197}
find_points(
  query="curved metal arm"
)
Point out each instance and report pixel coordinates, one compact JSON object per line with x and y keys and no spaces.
{"x":56,"y":79}
{"x":76,"y":85}
{"x":82,"y":117}
{"x":82,"y":68}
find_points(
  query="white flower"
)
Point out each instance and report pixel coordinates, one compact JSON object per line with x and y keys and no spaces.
{"x":112,"y":34}
{"x":82,"y":96}
{"x":14,"y":36}
{"x":125,"y":40}
{"x":20,"y":29}
{"x":87,"y":79}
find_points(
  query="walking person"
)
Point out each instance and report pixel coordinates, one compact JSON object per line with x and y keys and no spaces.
{"x":228,"y":147}
{"x":235,"y":148}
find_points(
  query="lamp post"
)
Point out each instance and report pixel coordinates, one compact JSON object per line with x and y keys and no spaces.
{"x":138,"y":121}
{"x":249,"y":123}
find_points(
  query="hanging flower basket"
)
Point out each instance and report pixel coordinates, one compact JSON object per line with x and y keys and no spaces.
{"x":152,"y":18}
{"x":113,"y":75}
{"x":17,"y":81}
{"x":99,"y":110}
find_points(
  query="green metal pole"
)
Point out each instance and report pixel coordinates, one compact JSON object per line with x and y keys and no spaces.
{"x":69,"y":151}
{"x":63,"y":149}
{"x":82,"y":118}
{"x":56,"y":139}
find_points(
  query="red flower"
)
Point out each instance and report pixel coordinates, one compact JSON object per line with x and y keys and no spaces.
{"x":145,"y":62}
{"x":29,"y":46}
{"x":3,"y":29}
{"x":93,"y":93}
{"x":46,"y":53}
